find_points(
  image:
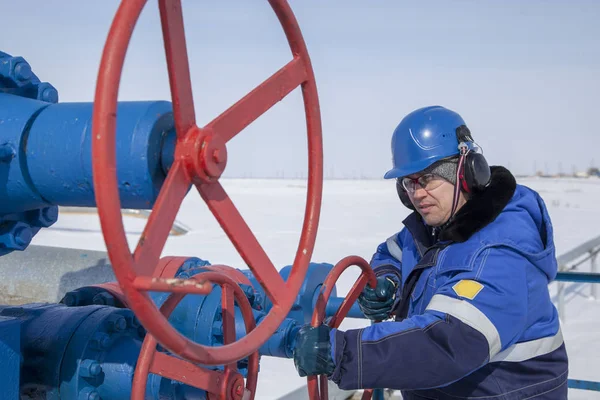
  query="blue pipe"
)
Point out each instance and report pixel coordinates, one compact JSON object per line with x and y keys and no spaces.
{"x":334,"y":304}
{"x":52,"y":146}
{"x":589,"y":277}
{"x":584,"y":385}
{"x":199,"y":317}
{"x":68,"y":353}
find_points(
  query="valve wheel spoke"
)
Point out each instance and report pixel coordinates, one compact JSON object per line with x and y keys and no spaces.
{"x":171,"y":16}
{"x":243,"y":239}
{"x":184,"y":372}
{"x":258,"y":101}
{"x":160,"y":222}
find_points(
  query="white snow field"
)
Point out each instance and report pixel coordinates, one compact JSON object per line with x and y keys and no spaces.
{"x":355,"y":217}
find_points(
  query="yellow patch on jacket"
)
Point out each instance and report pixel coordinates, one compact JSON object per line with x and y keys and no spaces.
{"x":467,"y":288}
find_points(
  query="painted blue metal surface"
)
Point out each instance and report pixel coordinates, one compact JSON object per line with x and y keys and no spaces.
{"x":53,"y":162}
{"x":18,"y":79}
{"x":16,"y":189}
{"x":10,"y":356}
{"x":304,"y":306}
{"x":45,"y":153}
{"x":199,"y":317}
{"x":584,"y":385}
{"x":23,"y":216}
{"x":17,"y":230}
{"x":79,"y":353}
{"x":334,"y":304}
{"x":588,"y":277}
{"x":578,"y":277}
{"x":59,"y":147}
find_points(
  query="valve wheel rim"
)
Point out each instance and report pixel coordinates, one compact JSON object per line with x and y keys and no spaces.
{"x":317,"y":384}
{"x":221,"y":384}
{"x":131,"y":270}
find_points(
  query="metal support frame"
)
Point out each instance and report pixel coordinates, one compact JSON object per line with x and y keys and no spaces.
{"x":568,"y":262}
{"x":585,"y":277}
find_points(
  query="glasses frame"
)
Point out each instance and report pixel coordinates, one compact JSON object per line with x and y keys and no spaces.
{"x":421,"y":182}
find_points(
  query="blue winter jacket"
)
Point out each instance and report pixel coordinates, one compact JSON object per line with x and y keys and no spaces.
{"x":474,"y":319}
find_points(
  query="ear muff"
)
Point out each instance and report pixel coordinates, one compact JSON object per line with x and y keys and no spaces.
{"x":403,"y":195}
{"x":476,"y":173}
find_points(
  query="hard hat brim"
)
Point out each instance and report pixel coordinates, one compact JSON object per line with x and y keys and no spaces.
{"x":410,"y":169}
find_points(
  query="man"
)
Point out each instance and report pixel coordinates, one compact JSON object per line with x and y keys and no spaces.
{"x":466,"y":281}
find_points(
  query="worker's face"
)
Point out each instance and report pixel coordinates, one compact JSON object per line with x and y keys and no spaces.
{"x":432,"y":197}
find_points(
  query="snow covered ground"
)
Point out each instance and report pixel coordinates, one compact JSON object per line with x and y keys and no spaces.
{"x":356,"y":216}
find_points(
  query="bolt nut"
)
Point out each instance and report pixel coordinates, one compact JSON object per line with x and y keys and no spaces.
{"x":101,"y":341}
{"x":22,"y":236}
{"x":88,"y":393}
{"x":71,"y":299}
{"x":7,"y":152}
{"x":104,"y":299}
{"x":117,"y":323}
{"x":49,"y":216}
{"x":22,"y":71}
{"x":15,"y":236}
{"x":43,"y":217}
{"x":46,"y":92}
{"x":50,"y":95}
{"x":89,"y":368}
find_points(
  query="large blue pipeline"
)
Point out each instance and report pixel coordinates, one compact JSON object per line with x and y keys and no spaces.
{"x":45,"y":153}
{"x":86,"y":347}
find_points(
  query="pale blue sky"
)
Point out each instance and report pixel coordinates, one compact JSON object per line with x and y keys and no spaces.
{"x":524,"y":74}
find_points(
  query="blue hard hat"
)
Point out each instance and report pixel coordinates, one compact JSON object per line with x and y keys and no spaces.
{"x":422,"y":138}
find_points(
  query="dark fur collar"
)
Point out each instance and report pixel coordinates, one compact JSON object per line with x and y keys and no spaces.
{"x":482,"y":208}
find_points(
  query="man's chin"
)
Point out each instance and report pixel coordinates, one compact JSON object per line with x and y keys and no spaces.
{"x":432,"y":221}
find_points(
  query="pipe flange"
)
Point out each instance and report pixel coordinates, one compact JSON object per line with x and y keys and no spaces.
{"x":17,"y":78}
{"x":93,"y":348}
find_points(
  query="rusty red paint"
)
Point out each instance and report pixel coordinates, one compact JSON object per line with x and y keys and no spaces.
{"x":318,"y":391}
{"x":195,"y":162}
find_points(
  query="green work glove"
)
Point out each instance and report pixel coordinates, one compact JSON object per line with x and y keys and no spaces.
{"x":312,"y":352}
{"x":376,"y":304}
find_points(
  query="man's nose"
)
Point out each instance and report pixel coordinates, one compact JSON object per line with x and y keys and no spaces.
{"x":419,"y":193}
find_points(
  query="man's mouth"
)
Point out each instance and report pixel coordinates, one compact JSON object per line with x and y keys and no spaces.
{"x":425,"y":207}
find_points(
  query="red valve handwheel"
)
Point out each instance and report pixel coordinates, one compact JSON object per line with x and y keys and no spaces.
{"x":366,"y":277}
{"x":200,"y":158}
{"x":228,"y":384}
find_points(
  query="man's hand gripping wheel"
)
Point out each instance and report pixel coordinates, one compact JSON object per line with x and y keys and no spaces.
{"x":313,"y":350}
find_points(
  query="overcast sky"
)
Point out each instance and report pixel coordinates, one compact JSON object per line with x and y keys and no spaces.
{"x":523,"y":74}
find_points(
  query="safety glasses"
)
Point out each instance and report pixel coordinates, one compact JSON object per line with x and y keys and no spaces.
{"x":425,"y":181}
